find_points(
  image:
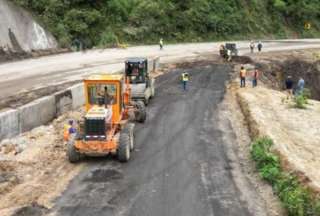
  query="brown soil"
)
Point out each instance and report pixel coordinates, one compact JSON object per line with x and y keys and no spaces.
{"x":233,"y":112}
{"x":303,"y":63}
{"x":295,"y":132}
{"x":31,"y":179}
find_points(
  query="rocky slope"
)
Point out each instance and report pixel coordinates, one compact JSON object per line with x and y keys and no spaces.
{"x":20,"y":32}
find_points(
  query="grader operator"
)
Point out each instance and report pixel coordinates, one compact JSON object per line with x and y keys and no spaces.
{"x":106,"y":127}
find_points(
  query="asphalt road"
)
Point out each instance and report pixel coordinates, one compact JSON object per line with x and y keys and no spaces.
{"x":180,"y":166}
{"x":23,"y":76}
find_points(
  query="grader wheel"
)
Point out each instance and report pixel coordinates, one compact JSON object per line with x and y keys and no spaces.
{"x":126,"y":143}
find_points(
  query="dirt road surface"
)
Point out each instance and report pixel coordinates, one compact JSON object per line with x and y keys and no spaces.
{"x":181,"y":164}
{"x":23,"y":76}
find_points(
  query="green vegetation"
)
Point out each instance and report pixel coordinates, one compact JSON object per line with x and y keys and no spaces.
{"x":296,"y":198}
{"x":301,"y":100}
{"x":104,"y":23}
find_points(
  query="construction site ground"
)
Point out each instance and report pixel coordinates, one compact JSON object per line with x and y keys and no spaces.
{"x":191,"y":157}
{"x":185,"y":163}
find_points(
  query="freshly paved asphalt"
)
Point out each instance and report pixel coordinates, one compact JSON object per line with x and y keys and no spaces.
{"x":180,"y":166}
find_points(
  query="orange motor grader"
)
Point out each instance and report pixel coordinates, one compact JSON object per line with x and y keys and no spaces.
{"x":106,"y":127}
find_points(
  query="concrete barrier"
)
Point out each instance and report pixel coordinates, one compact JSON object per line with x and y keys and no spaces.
{"x":63,"y":101}
{"x":9,"y":124}
{"x":36,"y":113}
{"x":44,"y":110}
{"x":78,"y":97}
{"x":153,"y":64}
{"x":156,"y":63}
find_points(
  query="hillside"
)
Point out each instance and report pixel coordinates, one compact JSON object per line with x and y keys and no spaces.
{"x":98,"y":22}
{"x":20,"y":32}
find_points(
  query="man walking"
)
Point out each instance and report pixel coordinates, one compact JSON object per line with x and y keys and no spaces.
{"x":260,"y":46}
{"x":243,"y":77}
{"x":185,"y":79}
{"x":252,"y":46}
{"x":161,"y":44}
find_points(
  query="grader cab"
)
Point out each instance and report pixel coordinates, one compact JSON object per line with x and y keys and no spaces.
{"x":106,"y":127}
{"x":138,"y":75}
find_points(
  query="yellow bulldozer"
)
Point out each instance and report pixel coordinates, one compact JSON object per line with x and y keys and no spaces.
{"x":107,"y":127}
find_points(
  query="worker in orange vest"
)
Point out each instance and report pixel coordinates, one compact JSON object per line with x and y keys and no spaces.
{"x":243,"y":73}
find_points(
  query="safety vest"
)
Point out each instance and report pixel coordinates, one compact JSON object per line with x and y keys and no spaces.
{"x":66,"y":132}
{"x":185,"y":77}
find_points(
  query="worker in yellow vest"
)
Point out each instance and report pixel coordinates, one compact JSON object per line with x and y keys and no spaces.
{"x":185,"y":79}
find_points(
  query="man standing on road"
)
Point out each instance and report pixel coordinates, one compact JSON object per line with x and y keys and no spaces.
{"x":161,"y":44}
{"x":185,"y":79}
{"x":242,"y":77}
{"x":229,"y":54}
{"x":252,"y":46}
{"x":255,"y":78}
{"x":260,"y":46}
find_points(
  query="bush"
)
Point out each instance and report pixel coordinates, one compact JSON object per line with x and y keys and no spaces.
{"x":296,"y":198}
{"x":301,"y":100}
{"x":108,"y":39}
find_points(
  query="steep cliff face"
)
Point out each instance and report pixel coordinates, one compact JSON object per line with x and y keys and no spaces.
{"x":20,"y":32}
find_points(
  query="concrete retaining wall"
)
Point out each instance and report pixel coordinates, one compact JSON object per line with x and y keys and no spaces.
{"x":36,"y":113}
{"x":40,"y":112}
{"x":9,"y":124}
{"x":153,"y":64}
{"x":78,"y":97}
{"x":63,"y":101}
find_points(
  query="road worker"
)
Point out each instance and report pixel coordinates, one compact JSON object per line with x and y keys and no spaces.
{"x":229,"y":55}
{"x":185,"y":79}
{"x":260,"y":46}
{"x":161,"y":44}
{"x":255,"y":76}
{"x":243,"y":73}
{"x":68,"y":130}
{"x":222,"y":51}
{"x":252,"y":45}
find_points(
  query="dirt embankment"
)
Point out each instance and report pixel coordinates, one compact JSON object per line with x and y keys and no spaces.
{"x":268,"y":112}
{"x":276,"y":67}
{"x":295,"y":132}
{"x":34,"y":169}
